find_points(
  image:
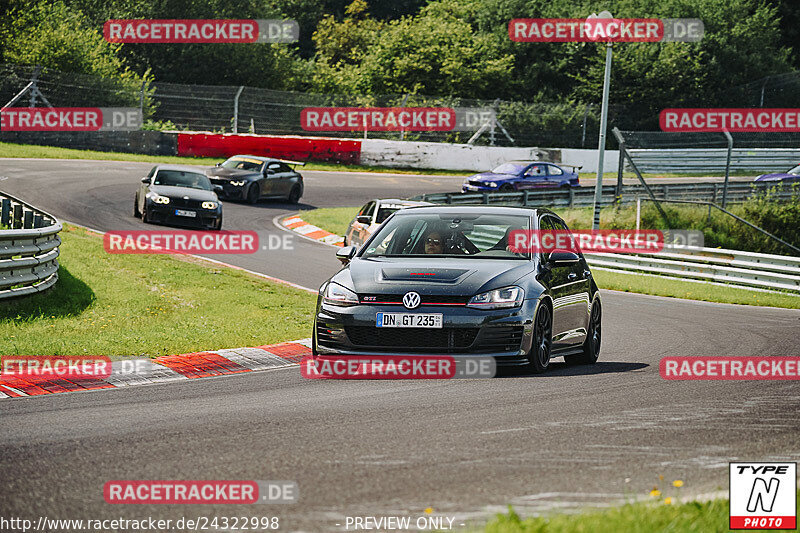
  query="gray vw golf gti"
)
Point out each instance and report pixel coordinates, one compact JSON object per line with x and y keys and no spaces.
{"x":446,"y":281}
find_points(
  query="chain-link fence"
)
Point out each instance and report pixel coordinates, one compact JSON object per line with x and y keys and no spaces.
{"x":244,"y":109}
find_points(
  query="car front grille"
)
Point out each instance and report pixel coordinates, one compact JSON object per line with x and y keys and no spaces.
{"x":180,"y":202}
{"x":412,"y":339}
{"x":397,"y":299}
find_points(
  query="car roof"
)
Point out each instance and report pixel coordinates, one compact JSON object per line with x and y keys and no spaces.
{"x":409,"y":203}
{"x":183,"y":168}
{"x":484,"y":209}
{"x":260,"y":158}
{"x":520,"y":162}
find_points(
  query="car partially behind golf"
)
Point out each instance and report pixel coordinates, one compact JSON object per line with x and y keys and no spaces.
{"x":371,"y":216}
{"x":446,"y":280}
{"x":179,"y":196}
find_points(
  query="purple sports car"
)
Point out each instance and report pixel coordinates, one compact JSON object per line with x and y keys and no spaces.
{"x":789,"y":176}
{"x":521,"y":175}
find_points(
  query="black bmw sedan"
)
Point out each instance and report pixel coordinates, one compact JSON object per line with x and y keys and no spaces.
{"x":251,"y":178}
{"x":179,"y":196}
{"x":445,"y":281}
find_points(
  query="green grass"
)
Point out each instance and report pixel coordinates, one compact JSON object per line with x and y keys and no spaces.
{"x":707,"y":292}
{"x":149,"y":305}
{"x":333,"y":219}
{"x":690,"y":517}
{"x":336,"y":220}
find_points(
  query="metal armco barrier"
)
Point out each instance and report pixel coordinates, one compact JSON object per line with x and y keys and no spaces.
{"x":758,"y":160}
{"x":584,"y":196}
{"x":744,"y":269}
{"x":28,"y":248}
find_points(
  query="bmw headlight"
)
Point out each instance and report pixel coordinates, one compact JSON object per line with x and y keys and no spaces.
{"x":209,"y":205}
{"x":335,"y":294}
{"x":492,"y":184}
{"x":160,"y":199}
{"x":498,"y":299}
{"x":237,"y":183}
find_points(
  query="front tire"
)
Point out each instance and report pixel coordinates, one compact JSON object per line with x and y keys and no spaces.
{"x":591,"y":346}
{"x":145,"y":218}
{"x":539,"y":356}
{"x":136,"y":212}
{"x":254,"y":193}
{"x":294,"y":195}
{"x":507,"y":188}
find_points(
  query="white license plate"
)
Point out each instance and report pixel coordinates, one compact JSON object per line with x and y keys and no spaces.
{"x":408,"y":320}
{"x":184,"y":213}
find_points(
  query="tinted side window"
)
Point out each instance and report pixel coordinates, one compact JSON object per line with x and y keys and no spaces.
{"x":554,"y":170}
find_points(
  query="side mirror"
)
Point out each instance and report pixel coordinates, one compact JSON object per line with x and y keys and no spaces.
{"x":145,"y":180}
{"x":218,"y":189}
{"x":218,"y":165}
{"x":562,"y":257}
{"x":364,"y":219}
{"x":345,"y":254}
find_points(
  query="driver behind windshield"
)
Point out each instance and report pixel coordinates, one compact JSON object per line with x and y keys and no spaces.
{"x":434,"y":242}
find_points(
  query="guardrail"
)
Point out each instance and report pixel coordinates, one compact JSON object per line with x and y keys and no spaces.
{"x":758,"y":160}
{"x":28,"y":248}
{"x":584,"y":196}
{"x":744,"y":269}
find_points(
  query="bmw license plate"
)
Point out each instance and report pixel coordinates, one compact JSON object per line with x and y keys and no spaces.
{"x":184,"y":213}
{"x":408,"y":320}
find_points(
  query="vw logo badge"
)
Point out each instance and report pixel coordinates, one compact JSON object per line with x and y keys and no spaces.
{"x":411,"y":300}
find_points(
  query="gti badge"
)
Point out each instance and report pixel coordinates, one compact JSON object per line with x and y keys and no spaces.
{"x":411,"y":300}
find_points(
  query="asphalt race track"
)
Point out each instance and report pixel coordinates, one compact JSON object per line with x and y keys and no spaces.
{"x":569,"y":438}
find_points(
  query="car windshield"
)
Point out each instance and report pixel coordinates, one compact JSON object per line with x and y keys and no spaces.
{"x":239,"y":163}
{"x":450,"y":235}
{"x":181,"y":178}
{"x":795,"y":171}
{"x":385,"y":211}
{"x":509,"y":168}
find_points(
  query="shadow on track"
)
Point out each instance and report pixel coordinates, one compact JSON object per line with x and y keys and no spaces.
{"x":563,"y":369}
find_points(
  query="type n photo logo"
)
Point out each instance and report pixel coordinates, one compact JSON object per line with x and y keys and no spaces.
{"x":763,"y":496}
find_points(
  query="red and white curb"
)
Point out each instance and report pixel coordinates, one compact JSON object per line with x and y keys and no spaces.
{"x":165,"y":369}
{"x":310,"y":231}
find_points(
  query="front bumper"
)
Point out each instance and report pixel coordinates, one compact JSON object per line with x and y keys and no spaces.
{"x":477,"y":188}
{"x":231,"y":192}
{"x":504,"y":334}
{"x":165,"y":214}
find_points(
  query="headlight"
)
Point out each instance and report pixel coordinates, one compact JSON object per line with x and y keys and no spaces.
{"x":337,"y":295}
{"x":209,"y":205}
{"x":237,"y":183}
{"x":160,"y":199}
{"x":498,"y":298}
{"x":492,"y":184}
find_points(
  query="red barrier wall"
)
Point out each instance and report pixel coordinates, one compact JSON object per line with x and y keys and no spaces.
{"x":283,"y":147}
